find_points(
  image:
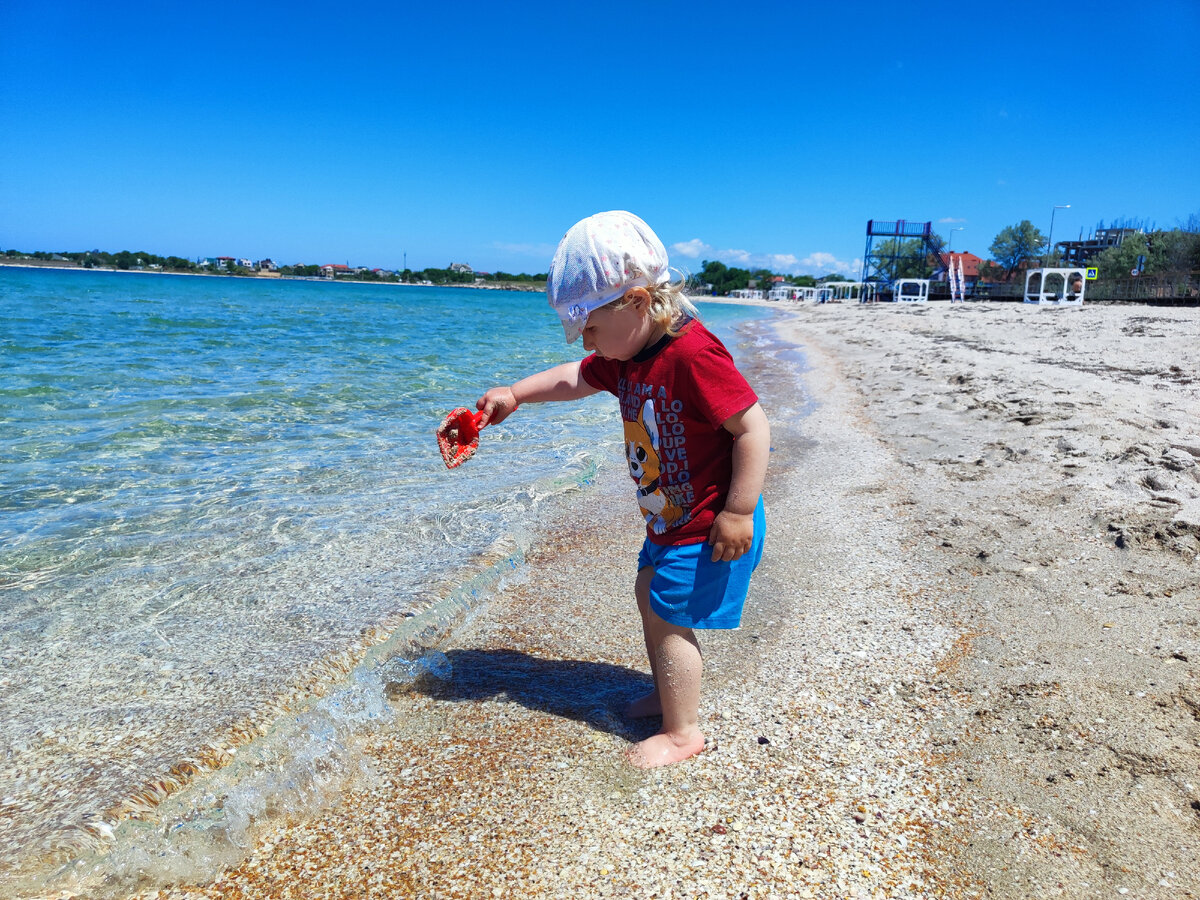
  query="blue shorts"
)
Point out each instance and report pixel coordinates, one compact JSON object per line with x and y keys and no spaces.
{"x":692,"y":591}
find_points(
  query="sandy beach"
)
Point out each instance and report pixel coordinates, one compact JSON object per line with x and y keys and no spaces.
{"x":968,"y":666}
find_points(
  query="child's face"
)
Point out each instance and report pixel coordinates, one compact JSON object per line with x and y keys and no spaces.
{"x":619,"y":331}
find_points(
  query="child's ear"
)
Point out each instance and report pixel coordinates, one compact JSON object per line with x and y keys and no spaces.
{"x":638,"y":297}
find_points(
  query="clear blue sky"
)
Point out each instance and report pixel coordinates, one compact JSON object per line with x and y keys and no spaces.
{"x":754,"y":133}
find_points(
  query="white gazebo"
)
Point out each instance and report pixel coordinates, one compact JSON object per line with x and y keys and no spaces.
{"x":1060,"y":287}
{"x":854,"y":291}
{"x":911,"y":290}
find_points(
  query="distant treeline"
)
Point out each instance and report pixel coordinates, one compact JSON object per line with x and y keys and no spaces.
{"x":715,"y":277}
{"x":140,"y":259}
{"x":126,"y":259}
{"x":1149,"y":251}
{"x":418,"y":276}
{"x":718,"y":279}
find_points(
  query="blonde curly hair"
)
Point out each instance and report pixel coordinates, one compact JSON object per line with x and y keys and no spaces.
{"x":669,"y":306}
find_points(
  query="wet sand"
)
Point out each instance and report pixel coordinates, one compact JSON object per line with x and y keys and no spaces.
{"x":967,"y":667}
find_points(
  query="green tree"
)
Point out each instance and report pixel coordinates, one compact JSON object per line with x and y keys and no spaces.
{"x":989,"y":271}
{"x":1165,"y":252}
{"x":1119,"y":261}
{"x":722,"y":278}
{"x":1016,"y":244}
{"x":902,"y":259}
{"x":522,"y":277}
{"x":711,"y":273}
{"x":1172,"y":251}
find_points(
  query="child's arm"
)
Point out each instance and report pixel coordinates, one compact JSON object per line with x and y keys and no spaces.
{"x":733,"y":530}
{"x":560,"y":383}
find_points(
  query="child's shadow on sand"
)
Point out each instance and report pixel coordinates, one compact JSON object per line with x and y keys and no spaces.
{"x":594,"y":693}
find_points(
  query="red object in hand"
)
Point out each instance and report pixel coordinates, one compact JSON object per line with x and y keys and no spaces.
{"x":458,"y":436}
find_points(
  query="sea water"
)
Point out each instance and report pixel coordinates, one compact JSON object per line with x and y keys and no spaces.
{"x":216,"y":495}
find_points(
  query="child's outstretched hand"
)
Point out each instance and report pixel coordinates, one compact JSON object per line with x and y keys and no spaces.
{"x":731,"y":535}
{"x":496,"y":405}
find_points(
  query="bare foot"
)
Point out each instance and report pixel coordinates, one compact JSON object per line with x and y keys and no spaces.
{"x":663,"y":749}
{"x":644,"y":706}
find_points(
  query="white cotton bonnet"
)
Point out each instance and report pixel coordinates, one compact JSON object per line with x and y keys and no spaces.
{"x":597,"y":261}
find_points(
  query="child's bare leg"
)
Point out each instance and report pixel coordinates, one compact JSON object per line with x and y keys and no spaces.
{"x":647,"y":704}
{"x":678,"y":669}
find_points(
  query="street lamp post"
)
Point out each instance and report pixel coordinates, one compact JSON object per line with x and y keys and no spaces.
{"x":950,"y":243}
{"x":1050,"y":238}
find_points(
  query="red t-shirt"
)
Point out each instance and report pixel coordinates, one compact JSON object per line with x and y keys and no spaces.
{"x":674,"y":398}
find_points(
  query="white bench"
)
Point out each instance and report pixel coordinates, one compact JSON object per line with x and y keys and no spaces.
{"x":1055,"y":287}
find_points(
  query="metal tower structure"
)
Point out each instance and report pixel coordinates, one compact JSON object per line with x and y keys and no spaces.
{"x":905,"y":252}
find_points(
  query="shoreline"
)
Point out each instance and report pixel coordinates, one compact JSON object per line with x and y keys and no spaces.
{"x":522,"y":287}
{"x":505,"y":286}
{"x":816,"y":773}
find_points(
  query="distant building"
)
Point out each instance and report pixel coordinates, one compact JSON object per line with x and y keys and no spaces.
{"x":332,"y":270}
{"x":245,"y":263}
{"x":267,"y":265}
{"x":1080,"y":253}
{"x":970,"y":267}
{"x":461,"y":267}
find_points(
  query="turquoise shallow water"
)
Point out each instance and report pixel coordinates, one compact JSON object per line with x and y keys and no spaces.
{"x":210,"y":486}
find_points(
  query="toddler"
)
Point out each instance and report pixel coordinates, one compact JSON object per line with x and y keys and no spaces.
{"x":697,"y":444}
